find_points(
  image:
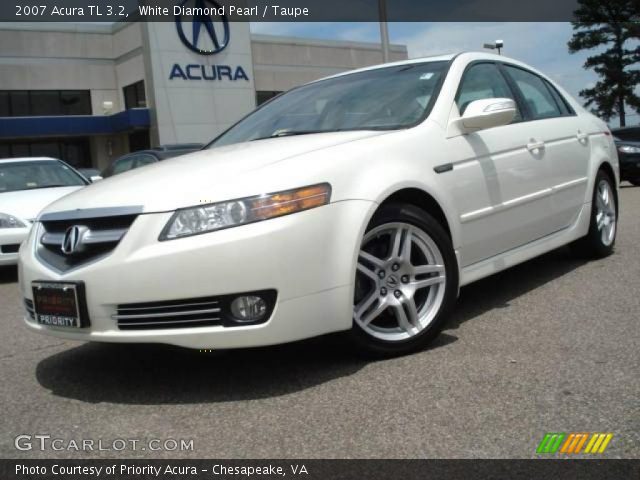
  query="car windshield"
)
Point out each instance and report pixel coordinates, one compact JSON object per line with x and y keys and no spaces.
{"x":16,"y":176}
{"x":381,"y":99}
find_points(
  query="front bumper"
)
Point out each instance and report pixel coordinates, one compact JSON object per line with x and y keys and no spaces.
{"x":308,"y":258}
{"x":9,"y":239}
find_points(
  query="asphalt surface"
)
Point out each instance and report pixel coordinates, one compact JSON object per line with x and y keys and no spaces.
{"x":549,"y":346}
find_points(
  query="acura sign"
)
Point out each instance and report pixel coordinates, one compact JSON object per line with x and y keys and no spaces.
{"x":208,"y":72}
{"x":209,"y":31}
{"x":204,"y":29}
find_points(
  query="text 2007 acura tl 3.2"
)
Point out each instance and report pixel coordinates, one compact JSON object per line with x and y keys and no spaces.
{"x":359,"y":203}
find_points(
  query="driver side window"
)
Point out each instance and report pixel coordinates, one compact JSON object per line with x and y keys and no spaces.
{"x":480,"y":81}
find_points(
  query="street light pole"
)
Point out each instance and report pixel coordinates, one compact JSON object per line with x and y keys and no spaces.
{"x":384,"y":30}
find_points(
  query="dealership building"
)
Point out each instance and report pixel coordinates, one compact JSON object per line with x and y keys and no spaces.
{"x":88,"y":93}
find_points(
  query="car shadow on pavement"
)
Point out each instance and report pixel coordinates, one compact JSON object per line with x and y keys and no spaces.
{"x":497,"y":291}
{"x":160,"y":374}
{"x":8,"y":274}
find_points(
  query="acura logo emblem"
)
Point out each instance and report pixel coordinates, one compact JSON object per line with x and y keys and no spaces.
{"x":392,"y":281}
{"x":209,"y":34}
{"x":72,"y":241}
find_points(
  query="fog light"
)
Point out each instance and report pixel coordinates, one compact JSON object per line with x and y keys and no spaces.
{"x":248,"y":308}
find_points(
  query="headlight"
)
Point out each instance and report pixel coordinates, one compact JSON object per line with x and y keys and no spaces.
{"x":9,"y":221}
{"x":216,"y":216}
{"x":628,"y":149}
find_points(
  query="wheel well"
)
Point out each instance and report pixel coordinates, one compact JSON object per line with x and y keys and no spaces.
{"x":423,"y":200}
{"x":606,"y":168}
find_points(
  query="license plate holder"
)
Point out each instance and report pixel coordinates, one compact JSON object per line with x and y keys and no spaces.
{"x":60,"y":304}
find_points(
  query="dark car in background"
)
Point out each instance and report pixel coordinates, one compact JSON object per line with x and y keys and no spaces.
{"x":628,"y":145}
{"x":141,"y":158}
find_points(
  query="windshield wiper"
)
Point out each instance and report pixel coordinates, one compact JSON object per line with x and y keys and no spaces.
{"x":291,"y":133}
{"x":47,"y":186}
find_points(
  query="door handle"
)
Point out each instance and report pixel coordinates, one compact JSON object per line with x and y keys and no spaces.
{"x":534,"y":145}
{"x":582,"y":137}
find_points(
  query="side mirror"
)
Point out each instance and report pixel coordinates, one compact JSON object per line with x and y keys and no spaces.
{"x":486,"y":113}
{"x":95,"y":178}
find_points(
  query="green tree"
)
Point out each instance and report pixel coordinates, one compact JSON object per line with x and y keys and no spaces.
{"x":613,"y":26}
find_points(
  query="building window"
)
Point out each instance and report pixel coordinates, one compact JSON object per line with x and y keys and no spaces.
{"x":44,"y":103}
{"x":4,"y":105}
{"x":139,"y":141}
{"x":264,"y":95}
{"x":134,"y":96}
{"x":76,"y":152}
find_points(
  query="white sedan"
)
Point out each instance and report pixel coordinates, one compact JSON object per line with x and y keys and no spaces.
{"x":27,"y":185}
{"x":359,"y":203}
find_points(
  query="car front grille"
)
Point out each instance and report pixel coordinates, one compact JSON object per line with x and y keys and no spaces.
{"x":197,"y":312}
{"x":99,"y":235}
{"x":28,"y":304}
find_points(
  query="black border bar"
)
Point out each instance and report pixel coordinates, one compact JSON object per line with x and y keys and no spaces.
{"x":336,"y":469}
{"x":294,"y":10}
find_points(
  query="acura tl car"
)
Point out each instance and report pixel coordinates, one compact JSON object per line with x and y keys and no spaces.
{"x":359,"y":203}
{"x":27,"y":185}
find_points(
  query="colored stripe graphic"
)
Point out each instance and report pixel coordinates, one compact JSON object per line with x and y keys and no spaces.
{"x":574,"y":442}
{"x":598,"y":443}
{"x":550,"y":443}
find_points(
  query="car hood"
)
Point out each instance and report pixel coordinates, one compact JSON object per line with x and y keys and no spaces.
{"x":27,"y":204}
{"x":205,"y":176}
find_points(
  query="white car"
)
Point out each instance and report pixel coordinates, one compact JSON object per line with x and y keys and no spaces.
{"x":27,"y":185}
{"x":359,"y":203}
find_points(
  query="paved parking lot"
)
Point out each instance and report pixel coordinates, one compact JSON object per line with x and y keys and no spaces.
{"x":549,"y":346}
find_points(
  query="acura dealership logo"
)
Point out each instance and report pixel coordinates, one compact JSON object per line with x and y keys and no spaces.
{"x":72,"y":242}
{"x":209,"y":33}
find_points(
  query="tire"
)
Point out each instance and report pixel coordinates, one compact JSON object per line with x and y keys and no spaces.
{"x":600,"y":240}
{"x":635,"y":182}
{"x":400,"y":306}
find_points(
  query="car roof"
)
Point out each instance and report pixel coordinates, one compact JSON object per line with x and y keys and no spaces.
{"x":470,"y":55}
{"x":160,"y":154}
{"x":178,"y":146}
{"x":28,"y":159}
{"x":436,"y":58}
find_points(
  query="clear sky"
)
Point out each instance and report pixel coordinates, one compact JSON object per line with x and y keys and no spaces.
{"x":541,"y":45}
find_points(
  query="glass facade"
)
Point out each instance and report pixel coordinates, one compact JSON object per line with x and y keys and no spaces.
{"x":75,"y":151}
{"x":265,"y":95}
{"x":44,"y":103}
{"x":135,"y":96}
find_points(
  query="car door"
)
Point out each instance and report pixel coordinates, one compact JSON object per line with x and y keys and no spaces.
{"x":499,"y":181}
{"x":555,"y":126}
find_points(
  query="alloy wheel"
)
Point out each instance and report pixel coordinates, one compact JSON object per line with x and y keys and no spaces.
{"x":605,"y":213}
{"x":400,"y":282}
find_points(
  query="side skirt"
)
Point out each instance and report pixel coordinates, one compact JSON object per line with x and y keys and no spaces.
{"x":513,"y":257}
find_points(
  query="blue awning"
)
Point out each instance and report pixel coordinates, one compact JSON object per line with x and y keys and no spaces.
{"x":129,"y":120}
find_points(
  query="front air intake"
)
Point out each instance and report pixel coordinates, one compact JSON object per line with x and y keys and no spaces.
{"x":193,"y":312}
{"x":199,"y":312}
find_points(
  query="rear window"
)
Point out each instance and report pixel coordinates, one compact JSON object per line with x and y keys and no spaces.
{"x":539,"y":99}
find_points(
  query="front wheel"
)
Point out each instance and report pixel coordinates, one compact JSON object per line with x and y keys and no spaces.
{"x":601,"y":237}
{"x":406,"y":281}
